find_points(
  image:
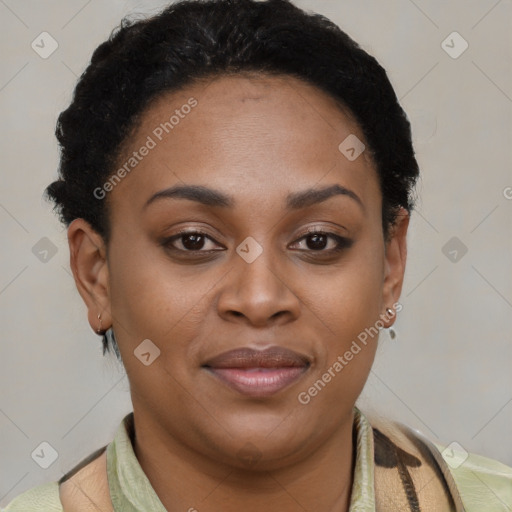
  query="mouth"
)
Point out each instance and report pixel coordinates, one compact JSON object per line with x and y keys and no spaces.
{"x":258,"y":373}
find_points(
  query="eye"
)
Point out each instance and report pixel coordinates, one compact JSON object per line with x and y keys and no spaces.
{"x":319,"y":241}
{"x":191,"y":241}
{"x":313,"y":241}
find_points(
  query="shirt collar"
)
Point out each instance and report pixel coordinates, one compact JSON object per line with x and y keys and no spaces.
{"x":363,"y":490}
{"x":131,"y":491}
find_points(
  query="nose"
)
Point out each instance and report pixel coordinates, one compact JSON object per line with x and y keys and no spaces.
{"x":258,"y":293}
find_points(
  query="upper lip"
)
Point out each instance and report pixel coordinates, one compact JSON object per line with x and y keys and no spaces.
{"x":271,"y":357}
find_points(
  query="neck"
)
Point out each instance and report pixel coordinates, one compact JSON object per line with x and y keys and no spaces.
{"x":186,"y":480}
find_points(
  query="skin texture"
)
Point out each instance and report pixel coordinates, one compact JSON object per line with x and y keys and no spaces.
{"x":256,"y":138}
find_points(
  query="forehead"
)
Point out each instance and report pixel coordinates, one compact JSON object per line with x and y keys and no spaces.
{"x":241,"y":134}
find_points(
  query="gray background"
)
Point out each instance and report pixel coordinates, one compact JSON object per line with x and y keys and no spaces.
{"x":448,"y":373}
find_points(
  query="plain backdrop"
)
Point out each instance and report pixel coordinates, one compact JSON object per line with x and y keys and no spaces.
{"x":448,"y":373}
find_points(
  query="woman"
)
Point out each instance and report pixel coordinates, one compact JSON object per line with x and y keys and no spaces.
{"x":237,"y":180}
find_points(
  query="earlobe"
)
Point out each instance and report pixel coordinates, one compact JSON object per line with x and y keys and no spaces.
{"x":90,"y":270}
{"x":395,"y":260}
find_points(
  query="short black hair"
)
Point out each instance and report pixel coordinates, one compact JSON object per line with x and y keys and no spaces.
{"x":192,"y":40}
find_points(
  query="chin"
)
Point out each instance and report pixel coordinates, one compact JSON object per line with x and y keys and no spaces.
{"x":262,"y":442}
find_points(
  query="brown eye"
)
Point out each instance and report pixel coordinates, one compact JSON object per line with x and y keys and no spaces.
{"x":319,"y":241}
{"x":191,"y":241}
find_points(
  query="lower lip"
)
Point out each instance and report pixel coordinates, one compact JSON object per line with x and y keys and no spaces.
{"x":259,"y":382}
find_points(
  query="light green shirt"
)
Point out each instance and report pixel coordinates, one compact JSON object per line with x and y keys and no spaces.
{"x":485,"y":485}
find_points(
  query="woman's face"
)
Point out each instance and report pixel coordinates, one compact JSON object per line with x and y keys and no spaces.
{"x":247,"y":277}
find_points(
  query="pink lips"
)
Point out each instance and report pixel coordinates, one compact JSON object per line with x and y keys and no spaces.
{"x":258,"y":373}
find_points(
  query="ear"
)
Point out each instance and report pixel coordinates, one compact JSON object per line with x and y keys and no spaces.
{"x":394,"y":265}
{"x":90,"y":270}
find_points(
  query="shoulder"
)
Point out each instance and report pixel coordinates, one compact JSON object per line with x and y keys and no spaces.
{"x":83,"y":488}
{"x":474,"y":483}
{"x":483,"y":483}
{"x":42,"y":498}
{"x":87,"y":489}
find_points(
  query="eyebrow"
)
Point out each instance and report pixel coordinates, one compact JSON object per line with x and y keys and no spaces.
{"x":211,"y":197}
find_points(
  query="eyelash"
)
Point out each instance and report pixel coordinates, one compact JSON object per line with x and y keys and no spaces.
{"x":342,"y":243}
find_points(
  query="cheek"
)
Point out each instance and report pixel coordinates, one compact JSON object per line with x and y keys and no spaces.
{"x":149,"y":303}
{"x":154,"y":299}
{"x":352,"y":314}
{"x":355,"y":290}
{"x":145,"y":302}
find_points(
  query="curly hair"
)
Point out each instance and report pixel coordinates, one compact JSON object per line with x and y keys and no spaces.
{"x":192,"y":40}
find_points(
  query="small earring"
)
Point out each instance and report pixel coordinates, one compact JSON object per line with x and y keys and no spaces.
{"x":391,"y":331}
{"x":98,"y":330}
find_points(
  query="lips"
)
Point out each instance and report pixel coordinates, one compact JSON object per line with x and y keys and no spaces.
{"x":258,"y":373}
